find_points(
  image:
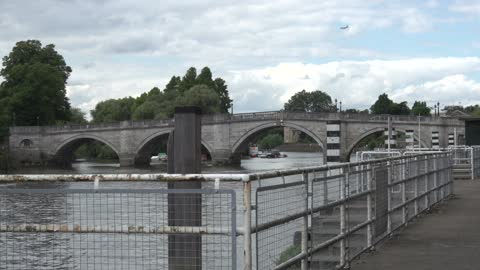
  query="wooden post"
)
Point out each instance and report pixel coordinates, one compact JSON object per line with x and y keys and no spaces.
{"x":184,"y":157}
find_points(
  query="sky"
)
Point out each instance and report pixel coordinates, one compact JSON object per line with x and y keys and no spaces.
{"x":265,"y":50}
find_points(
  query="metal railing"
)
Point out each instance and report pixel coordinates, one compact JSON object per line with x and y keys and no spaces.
{"x":309,"y":218}
{"x":323,"y":218}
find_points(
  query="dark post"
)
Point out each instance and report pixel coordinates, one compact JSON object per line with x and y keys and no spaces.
{"x":184,"y":157}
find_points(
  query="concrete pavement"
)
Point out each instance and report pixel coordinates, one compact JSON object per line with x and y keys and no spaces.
{"x":447,"y":238}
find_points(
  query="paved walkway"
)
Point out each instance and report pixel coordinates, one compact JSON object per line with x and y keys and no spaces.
{"x":448,"y":238}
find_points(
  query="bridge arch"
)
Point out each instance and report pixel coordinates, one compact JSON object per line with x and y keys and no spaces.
{"x":143,"y":155}
{"x":63,"y":153}
{"x":351,"y":147}
{"x":244,"y":138}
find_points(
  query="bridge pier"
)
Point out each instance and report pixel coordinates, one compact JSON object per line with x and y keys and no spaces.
{"x":126,"y":160}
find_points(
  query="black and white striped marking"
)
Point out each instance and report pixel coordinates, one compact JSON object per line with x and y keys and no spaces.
{"x":333,"y":142}
{"x":451,"y":139}
{"x":393,"y":139}
{"x":435,"y":140}
{"x":409,"y":140}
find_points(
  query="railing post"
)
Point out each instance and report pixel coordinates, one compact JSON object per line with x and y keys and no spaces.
{"x":415,"y":204}
{"x":471,"y":162}
{"x":343,"y":212}
{"x":426,"y":177}
{"x":389,"y":197}
{"x":305,"y":225}
{"x":404,"y":196}
{"x":435,"y":180}
{"x":369,"y":211}
{"x":247,"y":225}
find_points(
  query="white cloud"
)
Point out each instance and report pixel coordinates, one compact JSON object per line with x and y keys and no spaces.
{"x":358,"y":83}
{"x":119,"y":48}
{"x":415,"y":21}
{"x":471,"y":7}
{"x":453,"y":88}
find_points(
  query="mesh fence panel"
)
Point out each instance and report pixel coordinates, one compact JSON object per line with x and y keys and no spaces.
{"x":279,"y":242}
{"x":112,"y":229}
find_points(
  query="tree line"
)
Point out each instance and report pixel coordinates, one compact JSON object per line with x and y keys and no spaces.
{"x":319,"y":101}
{"x":201,"y":90}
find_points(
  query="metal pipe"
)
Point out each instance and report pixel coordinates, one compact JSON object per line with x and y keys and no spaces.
{"x":247,"y":224}
{"x":304,"y":264}
{"x":126,"y":229}
{"x":343,"y":227}
{"x":369,"y":212}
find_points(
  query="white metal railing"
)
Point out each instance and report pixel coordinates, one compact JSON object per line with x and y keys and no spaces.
{"x":466,"y":159}
{"x":316,"y":217}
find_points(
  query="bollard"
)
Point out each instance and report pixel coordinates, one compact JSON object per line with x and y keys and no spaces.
{"x":184,"y":157}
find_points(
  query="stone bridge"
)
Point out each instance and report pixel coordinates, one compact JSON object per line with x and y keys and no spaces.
{"x":225,"y":136}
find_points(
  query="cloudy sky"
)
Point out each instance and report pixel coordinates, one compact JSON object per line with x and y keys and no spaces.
{"x":265,"y":50}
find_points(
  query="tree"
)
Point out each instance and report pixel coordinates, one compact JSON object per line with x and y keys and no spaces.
{"x":383,"y":105}
{"x":221,"y":89}
{"x":203,"y":97}
{"x":188,"y":81}
{"x":316,"y":101}
{"x":34,"y":87}
{"x":270,"y":141}
{"x":147,"y":110}
{"x":420,"y":108}
{"x":77,"y":116}
{"x":113,"y":110}
{"x":211,"y":95}
{"x":356,"y":111}
{"x":400,"y":108}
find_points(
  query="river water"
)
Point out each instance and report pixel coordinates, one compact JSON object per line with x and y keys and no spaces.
{"x":117,"y":251}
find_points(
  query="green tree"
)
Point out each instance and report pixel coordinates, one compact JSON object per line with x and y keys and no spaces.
{"x":400,"y":108}
{"x":201,"y":96}
{"x":383,"y":105}
{"x":205,"y":77}
{"x":221,"y":89}
{"x":356,"y":111}
{"x":113,"y":110}
{"x":77,"y":116}
{"x":316,"y":101}
{"x":188,"y":80}
{"x":147,"y":110}
{"x":270,"y":141}
{"x":34,"y":87}
{"x":420,"y":108}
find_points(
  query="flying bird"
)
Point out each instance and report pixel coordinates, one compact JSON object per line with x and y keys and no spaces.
{"x":344,"y":27}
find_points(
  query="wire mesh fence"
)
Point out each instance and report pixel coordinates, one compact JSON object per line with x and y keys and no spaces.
{"x":116,"y":229}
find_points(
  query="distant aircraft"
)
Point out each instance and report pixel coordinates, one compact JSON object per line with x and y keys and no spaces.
{"x":344,"y":27}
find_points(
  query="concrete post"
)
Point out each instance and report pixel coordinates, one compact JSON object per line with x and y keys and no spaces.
{"x":184,"y":157}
